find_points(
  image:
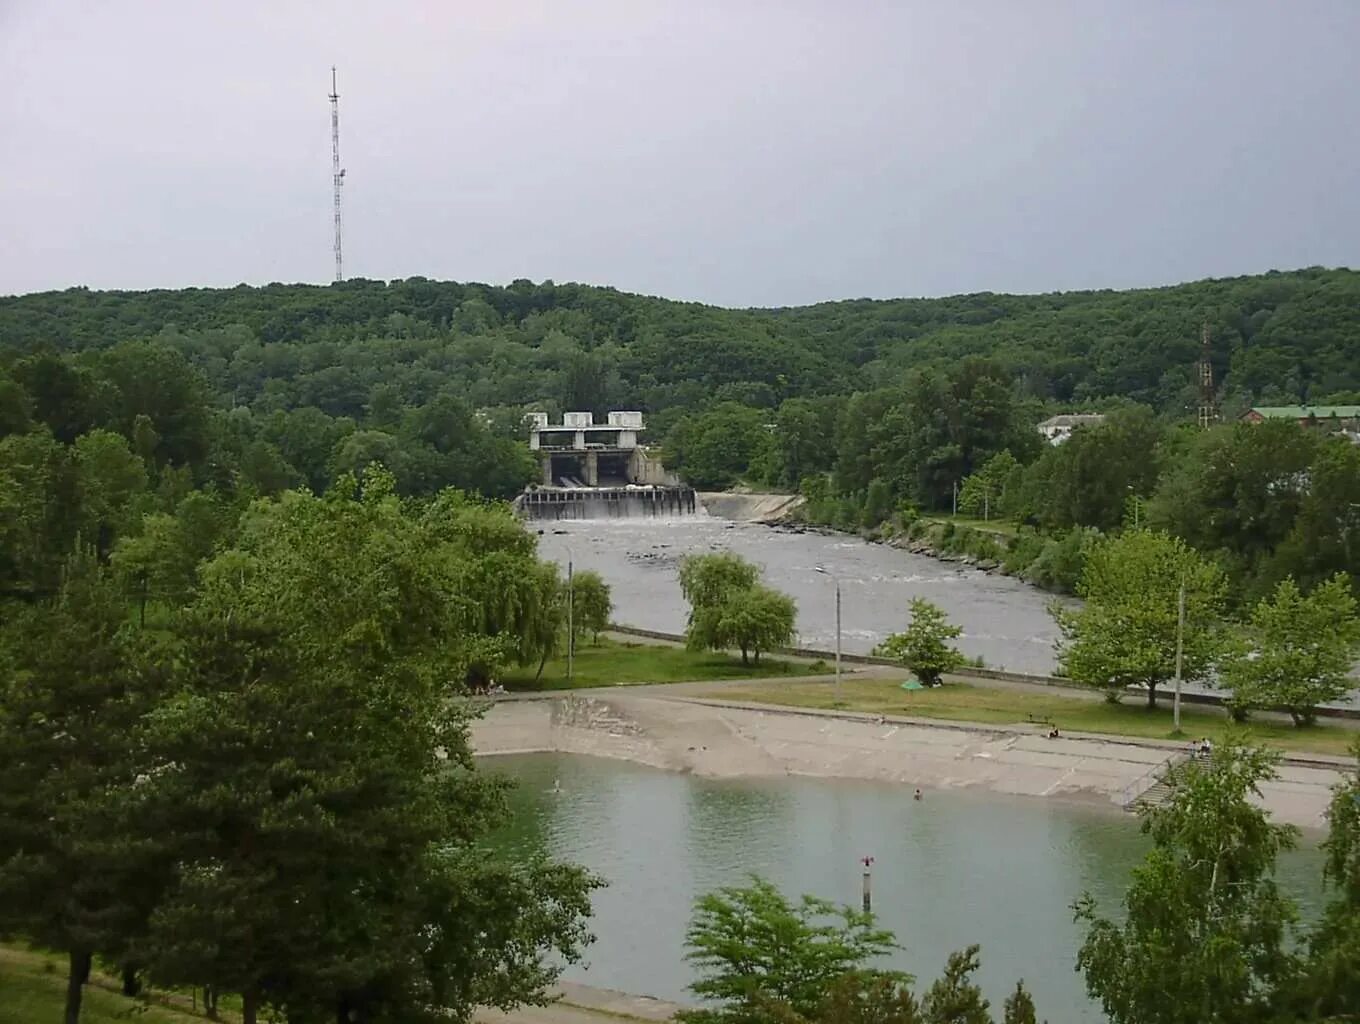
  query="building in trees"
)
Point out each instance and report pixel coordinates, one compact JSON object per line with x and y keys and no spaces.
{"x":1057,"y":429}
{"x":1331,"y":418}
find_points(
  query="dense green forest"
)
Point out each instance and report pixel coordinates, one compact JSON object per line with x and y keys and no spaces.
{"x":875,"y":409}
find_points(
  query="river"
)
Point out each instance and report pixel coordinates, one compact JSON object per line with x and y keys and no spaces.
{"x":1004,"y":621}
{"x":956,"y":868}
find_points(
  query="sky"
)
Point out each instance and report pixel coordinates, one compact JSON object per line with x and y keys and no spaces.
{"x":738,"y":152}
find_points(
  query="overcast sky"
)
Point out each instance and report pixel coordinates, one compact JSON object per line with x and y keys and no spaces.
{"x":740,"y":152}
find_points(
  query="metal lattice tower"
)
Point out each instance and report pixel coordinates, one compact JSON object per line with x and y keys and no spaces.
{"x":337,"y":172}
{"x":1208,"y":404}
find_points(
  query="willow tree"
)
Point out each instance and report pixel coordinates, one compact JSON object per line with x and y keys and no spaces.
{"x":315,"y":778}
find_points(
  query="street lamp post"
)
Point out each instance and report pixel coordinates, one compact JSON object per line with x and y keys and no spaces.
{"x":571,"y":623}
{"x":1180,"y":654}
{"x":836,"y":580}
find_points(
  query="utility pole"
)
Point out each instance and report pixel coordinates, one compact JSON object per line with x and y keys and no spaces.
{"x":866,"y":892}
{"x":956,"y":497}
{"x":337,"y":172}
{"x":571,"y":621}
{"x":836,"y":580}
{"x":1180,"y":652}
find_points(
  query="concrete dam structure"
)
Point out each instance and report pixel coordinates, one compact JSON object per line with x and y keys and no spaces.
{"x":599,"y":470}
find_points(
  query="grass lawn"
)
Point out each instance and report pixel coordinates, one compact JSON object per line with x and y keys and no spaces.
{"x":617,"y":663}
{"x":968,"y":703}
{"x":994,"y":525}
{"x":33,"y":991}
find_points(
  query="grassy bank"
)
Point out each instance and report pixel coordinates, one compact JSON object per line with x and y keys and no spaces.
{"x":33,"y":990}
{"x":618,"y":663}
{"x":963,"y":702}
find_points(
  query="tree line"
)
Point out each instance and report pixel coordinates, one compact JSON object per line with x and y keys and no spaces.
{"x":876,"y":410}
{"x":261,"y":784}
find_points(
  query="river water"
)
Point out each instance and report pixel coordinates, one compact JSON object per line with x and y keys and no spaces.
{"x":1004,"y":621}
{"x":955,"y":868}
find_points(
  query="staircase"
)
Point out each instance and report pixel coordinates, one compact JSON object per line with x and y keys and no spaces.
{"x":1154,"y":787}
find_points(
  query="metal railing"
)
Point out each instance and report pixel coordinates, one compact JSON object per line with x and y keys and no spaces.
{"x":1129,"y":795}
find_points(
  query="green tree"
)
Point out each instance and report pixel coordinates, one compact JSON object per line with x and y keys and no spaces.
{"x":1020,"y":1007}
{"x":1297,"y":650}
{"x":321,"y":867}
{"x":754,"y":950}
{"x":37,"y":505}
{"x":954,"y":998}
{"x":753,"y":619}
{"x":924,"y":646}
{"x":706,"y":579}
{"x":729,"y":608}
{"x":69,"y":835}
{"x":1327,"y":990}
{"x":1205,"y":932}
{"x":984,"y":492}
{"x":591,"y":603}
{"x":715,"y":449}
{"x":1125,"y":633}
{"x":109,"y":479}
{"x":1086,"y":480}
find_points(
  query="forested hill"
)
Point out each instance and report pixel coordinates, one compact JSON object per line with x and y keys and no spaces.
{"x":1278,"y":337}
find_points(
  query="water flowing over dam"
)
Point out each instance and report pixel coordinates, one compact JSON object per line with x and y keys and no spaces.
{"x":629,"y":501}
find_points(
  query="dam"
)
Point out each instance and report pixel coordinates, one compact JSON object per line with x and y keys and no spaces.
{"x":592,"y":470}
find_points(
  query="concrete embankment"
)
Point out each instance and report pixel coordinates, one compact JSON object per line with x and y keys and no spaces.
{"x":723,"y":739}
{"x":585,"y":1004}
{"x":749,"y":508}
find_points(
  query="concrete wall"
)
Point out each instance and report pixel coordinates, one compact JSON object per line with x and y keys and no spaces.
{"x":720,"y":739}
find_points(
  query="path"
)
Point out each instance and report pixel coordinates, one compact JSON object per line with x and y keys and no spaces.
{"x":583,"y":1004}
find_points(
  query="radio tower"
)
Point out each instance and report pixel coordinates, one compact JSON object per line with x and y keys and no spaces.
{"x":337,"y":172}
{"x":1208,"y":406}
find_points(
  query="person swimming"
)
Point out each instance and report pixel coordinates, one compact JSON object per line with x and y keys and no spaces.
{"x":917,"y":794}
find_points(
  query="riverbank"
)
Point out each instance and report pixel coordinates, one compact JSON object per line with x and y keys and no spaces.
{"x":725,"y":739}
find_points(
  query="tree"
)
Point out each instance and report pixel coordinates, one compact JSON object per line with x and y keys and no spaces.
{"x":1020,"y":1007}
{"x":1125,"y":634}
{"x":322,"y":868}
{"x":1327,"y":990}
{"x":753,"y":619}
{"x":37,"y":506}
{"x":763,"y":959}
{"x":924,"y":646}
{"x":729,"y":608}
{"x":591,"y":603}
{"x":1297,"y":651}
{"x":706,"y":579}
{"x":714,"y":449}
{"x":754,"y":950}
{"x":1085,"y":480}
{"x":109,"y":477}
{"x":984,"y":492}
{"x":1205,"y":935}
{"x":69,"y":838}
{"x":954,"y":998}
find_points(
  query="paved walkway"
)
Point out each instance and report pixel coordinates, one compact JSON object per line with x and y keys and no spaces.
{"x":582,"y":1004}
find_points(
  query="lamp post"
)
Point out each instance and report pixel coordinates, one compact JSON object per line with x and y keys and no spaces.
{"x":571,"y":623}
{"x":836,"y":580}
{"x":1180,"y":653}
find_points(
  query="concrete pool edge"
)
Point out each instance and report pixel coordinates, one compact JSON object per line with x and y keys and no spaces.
{"x":726,"y":739}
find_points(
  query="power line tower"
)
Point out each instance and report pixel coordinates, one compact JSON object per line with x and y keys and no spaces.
{"x":1208,"y":403}
{"x":337,"y":172}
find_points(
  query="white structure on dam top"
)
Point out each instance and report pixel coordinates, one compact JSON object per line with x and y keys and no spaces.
{"x":578,"y":452}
